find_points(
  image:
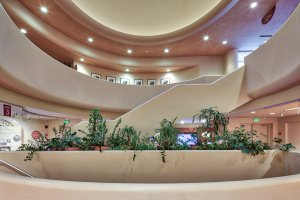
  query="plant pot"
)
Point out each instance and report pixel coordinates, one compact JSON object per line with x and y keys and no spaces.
{"x":72,"y":149}
{"x":103,"y":148}
{"x":194,"y":147}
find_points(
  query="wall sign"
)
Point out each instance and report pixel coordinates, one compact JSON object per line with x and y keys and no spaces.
{"x":36,"y":135}
{"x":7,"y":110}
{"x":256,"y":119}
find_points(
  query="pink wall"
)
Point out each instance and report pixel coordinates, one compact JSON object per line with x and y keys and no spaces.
{"x":284,"y":126}
{"x":237,"y":122}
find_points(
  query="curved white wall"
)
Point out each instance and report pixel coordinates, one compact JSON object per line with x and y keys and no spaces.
{"x":15,"y":187}
{"x":209,"y":66}
{"x":28,"y":70}
{"x":275,"y":65}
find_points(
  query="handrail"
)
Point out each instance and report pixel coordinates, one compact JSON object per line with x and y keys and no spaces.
{"x":15,"y":168}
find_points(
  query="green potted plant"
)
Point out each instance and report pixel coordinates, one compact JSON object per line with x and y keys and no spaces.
{"x":167,"y":138}
{"x":95,"y":138}
{"x":65,"y":139}
{"x":214,"y":122}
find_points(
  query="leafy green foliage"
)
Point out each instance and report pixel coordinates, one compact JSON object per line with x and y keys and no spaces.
{"x":97,"y":130}
{"x":126,"y":138}
{"x":215,"y":121}
{"x":167,"y":138}
{"x":41,"y":144}
{"x":65,"y":138}
{"x":283,"y":147}
{"x":213,"y":135}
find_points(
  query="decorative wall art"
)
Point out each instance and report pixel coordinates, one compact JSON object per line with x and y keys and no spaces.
{"x":97,"y":76}
{"x":124,"y":81}
{"x":138,"y":82}
{"x":111,"y":79}
{"x":165,"y":81}
{"x":151,"y":82}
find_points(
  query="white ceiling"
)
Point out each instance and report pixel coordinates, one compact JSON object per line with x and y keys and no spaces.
{"x":146,"y":17}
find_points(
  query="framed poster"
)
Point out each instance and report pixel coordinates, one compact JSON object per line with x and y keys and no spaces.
{"x":151,"y":82}
{"x":165,"y":81}
{"x":97,"y":76}
{"x":111,"y":79}
{"x":138,"y":82}
{"x":124,"y":81}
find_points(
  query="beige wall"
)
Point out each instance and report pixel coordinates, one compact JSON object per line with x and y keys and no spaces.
{"x":209,"y":65}
{"x":275,"y":66}
{"x":183,"y":101}
{"x":215,"y":162}
{"x":230,"y":61}
{"x":119,"y":167}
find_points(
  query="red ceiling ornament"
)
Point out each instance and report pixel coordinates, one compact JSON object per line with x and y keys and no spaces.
{"x":268,"y":16}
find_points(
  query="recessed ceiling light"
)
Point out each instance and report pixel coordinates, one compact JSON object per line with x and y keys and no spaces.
{"x":168,"y":70}
{"x":203,"y":121}
{"x":253,"y":4}
{"x":44,"y":9}
{"x":129,"y":51}
{"x":23,"y":30}
{"x":90,"y":39}
{"x":181,"y":122}
{"x":272,"y":113}
{"x":252,"y":112}
{"x":127,"y":70}
{"x":166,"y":50}
{"x":224,"y":42}
{"x":81,"y":59}
{"x":206,"y":37}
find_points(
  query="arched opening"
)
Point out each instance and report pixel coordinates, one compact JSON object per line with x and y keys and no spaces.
{"x":11,"y":134}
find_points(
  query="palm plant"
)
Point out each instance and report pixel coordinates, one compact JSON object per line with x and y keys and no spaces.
{"x":167,"y":138}
{"x":213,"y":121}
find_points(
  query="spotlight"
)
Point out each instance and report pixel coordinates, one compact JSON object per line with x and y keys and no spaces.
{"x":44,"y":9}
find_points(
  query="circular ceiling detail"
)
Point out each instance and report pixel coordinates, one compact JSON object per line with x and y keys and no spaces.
{"x":146,"y":17}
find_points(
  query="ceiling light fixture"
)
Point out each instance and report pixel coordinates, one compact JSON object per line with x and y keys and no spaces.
{"x":224,"y":42}
{"x":129,"y":51}
{"x":127,"y":70}
{"x":23,"y":30}
{"x":90,"y":39}
{"x":289,"y":109}
{"x":272,"y":113}
{"x":168,"y":70}
{"x":253,"y":5}
{"x":44,"y":9}
{"x":252,"y":112}
{"x":166,"y":50}
{"x":206,"y":37}
{"x":181,"y":122}
{"x":81,"y":59}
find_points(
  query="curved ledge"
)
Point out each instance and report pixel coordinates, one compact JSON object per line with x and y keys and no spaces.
{"x":234,"y":190}
{"x":275,"y":66}
{"x":78,"y":15}
{"x":107,"y":59}
{"x":37,"y":75}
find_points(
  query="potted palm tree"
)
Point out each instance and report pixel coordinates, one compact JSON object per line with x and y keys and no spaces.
{"x":213,"y":122}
